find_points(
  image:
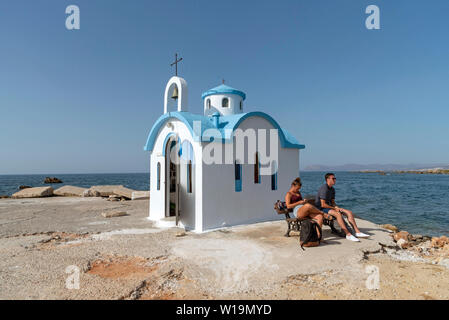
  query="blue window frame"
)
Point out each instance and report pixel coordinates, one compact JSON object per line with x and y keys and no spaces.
{"x":238,"y":176}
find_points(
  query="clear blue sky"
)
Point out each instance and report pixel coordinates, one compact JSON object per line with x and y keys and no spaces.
{"x":84,"y":101}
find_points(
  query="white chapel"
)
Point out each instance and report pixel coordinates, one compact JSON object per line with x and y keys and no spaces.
{"x":212,"y":170}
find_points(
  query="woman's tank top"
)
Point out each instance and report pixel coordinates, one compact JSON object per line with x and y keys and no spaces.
{"x":295,"y":198}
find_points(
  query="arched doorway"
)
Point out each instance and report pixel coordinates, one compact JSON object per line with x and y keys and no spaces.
{"x":180,"y":182}
{"x":172,"y":147}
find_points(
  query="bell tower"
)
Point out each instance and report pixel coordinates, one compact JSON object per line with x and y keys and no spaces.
{"x":175,"y":98}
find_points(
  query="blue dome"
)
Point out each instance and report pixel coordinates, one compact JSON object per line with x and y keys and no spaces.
{"x":223,"y":89}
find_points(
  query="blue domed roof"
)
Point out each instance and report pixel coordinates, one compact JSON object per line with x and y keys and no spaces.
{"x":226,"y":126}
{"x":223,"y":89}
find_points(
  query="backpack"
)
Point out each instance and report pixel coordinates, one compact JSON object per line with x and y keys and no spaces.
{"x":310,"y":235}
{"x":280,"y":207}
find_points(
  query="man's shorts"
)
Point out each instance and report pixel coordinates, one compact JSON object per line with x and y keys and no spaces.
{"x":325,"y":210}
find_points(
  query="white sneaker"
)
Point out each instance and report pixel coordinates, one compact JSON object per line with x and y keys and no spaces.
{"x":361,"y":235}
{"x":350,"y":237}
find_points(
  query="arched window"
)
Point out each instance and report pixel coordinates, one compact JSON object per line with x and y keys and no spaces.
{"x":238,"y":176}
{"x":189,"y":176}
{"x":208,"y":103}
{"x":274,"y":176}
{"x":257,"y":169}
{"x":225,"y":103}
{"x":158,"y":174}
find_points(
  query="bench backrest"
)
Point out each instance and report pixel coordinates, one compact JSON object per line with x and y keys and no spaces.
{"x":280,"y":208}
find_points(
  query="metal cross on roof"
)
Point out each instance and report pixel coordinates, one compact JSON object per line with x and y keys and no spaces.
{"x":176,"y":63}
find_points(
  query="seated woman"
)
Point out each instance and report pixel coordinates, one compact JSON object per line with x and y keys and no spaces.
{"x":302,"y":209}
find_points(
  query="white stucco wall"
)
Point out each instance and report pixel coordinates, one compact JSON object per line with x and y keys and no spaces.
{"x":223,"y":206}
{"x":216,"y":104}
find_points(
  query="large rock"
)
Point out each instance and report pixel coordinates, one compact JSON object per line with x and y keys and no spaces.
{"x":114,"y":198}
{"x":390,"y":227}
{"x":416,"y":237}
{"x":113,"y":214}
{"x":440,"y":242}
{"x":402,"y":235}
{"x":139,"y":195}
{"x":52,"y":180}
{"x":445,"y":250}
{"x":403,"y":244}
{"x":104,"y":191}
{"x":34,"y":193}
{"x":90,"y":193}
{"x":4,"y":197}
{"x":123,"y":192}
{"x":24,"y":187}
{"x":69,"y":191}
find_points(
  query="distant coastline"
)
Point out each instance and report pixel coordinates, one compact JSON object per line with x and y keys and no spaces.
{"x":400,"y":168}
{"x":424,"y":171}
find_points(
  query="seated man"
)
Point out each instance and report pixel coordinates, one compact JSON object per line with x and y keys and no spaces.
{"x":325,"y":201}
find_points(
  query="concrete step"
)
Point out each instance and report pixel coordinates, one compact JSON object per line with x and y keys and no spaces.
{"x":168,"y":222}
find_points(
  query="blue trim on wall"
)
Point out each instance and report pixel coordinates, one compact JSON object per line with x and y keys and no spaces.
{"x":238,"y":182}
{"x":238,"y":185}
{"x":171,"y":134}
{"x":225,"y":126}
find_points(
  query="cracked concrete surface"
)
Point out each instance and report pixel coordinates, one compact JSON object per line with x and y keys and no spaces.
{"x":128,"y":258}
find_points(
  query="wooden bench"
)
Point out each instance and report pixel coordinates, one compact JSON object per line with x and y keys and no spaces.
{"x":294,"y":224}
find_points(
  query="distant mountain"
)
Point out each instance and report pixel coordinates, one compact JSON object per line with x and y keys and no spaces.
{"x":383,"y":167}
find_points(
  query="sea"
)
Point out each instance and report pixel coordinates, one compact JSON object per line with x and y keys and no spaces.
{"x":413,"y":202}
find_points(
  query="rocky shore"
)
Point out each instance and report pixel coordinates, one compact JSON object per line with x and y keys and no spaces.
{"x":111,"y":192}
{"x":415,"y":247}
{"x":424,"y":171}
{"x":427,"y":171}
